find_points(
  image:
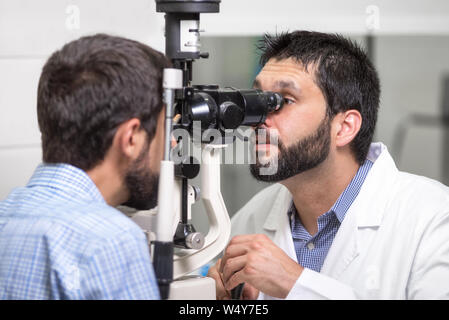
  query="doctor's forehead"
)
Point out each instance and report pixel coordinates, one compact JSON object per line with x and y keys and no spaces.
{"x":283,"y":74}
{"x":275,"y":84}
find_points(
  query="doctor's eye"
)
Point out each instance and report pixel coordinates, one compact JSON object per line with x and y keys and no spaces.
{"x":288,"y":101}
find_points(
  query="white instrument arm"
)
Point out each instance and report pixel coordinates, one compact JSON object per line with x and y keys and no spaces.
{"x":219,"y":222}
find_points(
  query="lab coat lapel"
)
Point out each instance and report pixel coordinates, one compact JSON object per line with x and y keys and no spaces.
{"x":362,"y":214}
{"x":283,"y":237}
{"x":344,"y":248}
{"x":278,"y":222}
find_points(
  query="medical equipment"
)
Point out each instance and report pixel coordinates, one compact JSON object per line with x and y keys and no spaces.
{"x":215,"y":109}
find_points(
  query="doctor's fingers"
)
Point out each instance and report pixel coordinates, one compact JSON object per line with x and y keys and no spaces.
{"x":213,"y":271}
{"x":231,"y":252}
{"x":241,"y":245}
{"x":232,"y":266}
{"x":221,"y":292}
{"x":245,"y":238}
{"x":249,"y":292}
{"x":237,"y":278}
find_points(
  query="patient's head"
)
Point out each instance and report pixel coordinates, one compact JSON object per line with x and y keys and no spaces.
{"x":100,"y":100}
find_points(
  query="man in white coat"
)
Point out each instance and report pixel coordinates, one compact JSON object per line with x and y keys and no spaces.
{"x":343,"y":222}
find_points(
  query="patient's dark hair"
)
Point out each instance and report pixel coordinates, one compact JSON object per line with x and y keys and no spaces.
{"x":90,"y":87}
{"x":343,"y":72}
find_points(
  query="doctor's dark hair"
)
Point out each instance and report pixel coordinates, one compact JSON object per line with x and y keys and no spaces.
{"x":91,"y":86}
{"x":343,"y":72}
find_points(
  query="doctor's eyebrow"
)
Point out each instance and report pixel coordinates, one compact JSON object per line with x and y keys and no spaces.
{"x":281,"y":84}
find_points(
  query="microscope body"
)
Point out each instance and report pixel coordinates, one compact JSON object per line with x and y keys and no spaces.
{"x":216,"y":109}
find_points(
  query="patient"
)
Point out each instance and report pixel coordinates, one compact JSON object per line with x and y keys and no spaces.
{"x":101,"y":118}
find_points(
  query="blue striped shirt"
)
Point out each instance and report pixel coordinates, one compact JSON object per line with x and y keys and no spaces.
{"x":312,"y":250}
{"x":60,"y":240}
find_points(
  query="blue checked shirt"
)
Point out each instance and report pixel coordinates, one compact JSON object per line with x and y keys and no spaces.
{"x":60,"y":240}
{"x":312,"y":250}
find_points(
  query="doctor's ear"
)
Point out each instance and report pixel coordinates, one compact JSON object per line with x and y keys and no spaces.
{"x":347,"y":125}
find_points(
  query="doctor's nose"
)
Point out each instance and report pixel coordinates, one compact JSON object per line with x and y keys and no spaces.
{"x":268,"y":123}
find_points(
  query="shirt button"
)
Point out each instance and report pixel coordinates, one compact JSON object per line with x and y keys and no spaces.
{"x":310,"y":246}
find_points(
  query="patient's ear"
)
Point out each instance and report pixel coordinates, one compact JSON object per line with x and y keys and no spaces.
{"x":129,"y":138}
{"x":347,"y":126}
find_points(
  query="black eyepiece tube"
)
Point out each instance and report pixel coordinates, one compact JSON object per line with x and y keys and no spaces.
{"x":258,"y":104}
{"x":230,"y":108}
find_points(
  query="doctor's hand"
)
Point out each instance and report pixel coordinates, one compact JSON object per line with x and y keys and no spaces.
{"x":257,"y":261}
{"x":249,"y":293}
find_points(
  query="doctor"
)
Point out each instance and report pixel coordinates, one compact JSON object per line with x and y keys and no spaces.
{"x":343,"y":222}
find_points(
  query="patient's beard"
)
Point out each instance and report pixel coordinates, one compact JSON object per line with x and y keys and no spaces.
{"x":142,"y":183}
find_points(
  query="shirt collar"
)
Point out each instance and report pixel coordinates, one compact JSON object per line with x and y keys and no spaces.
{"x":66,"y":180}
{"x":348,"y":196}
{"x":342,"y":204}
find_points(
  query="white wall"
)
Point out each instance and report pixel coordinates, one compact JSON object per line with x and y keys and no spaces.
{"x":253,"y":17}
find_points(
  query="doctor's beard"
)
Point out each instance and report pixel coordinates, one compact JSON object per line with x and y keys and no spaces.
{"x":142,"y":183}
{"x":306,"y":154}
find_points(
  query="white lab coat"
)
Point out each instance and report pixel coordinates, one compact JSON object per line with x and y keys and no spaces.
{"x":393,"y":242}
